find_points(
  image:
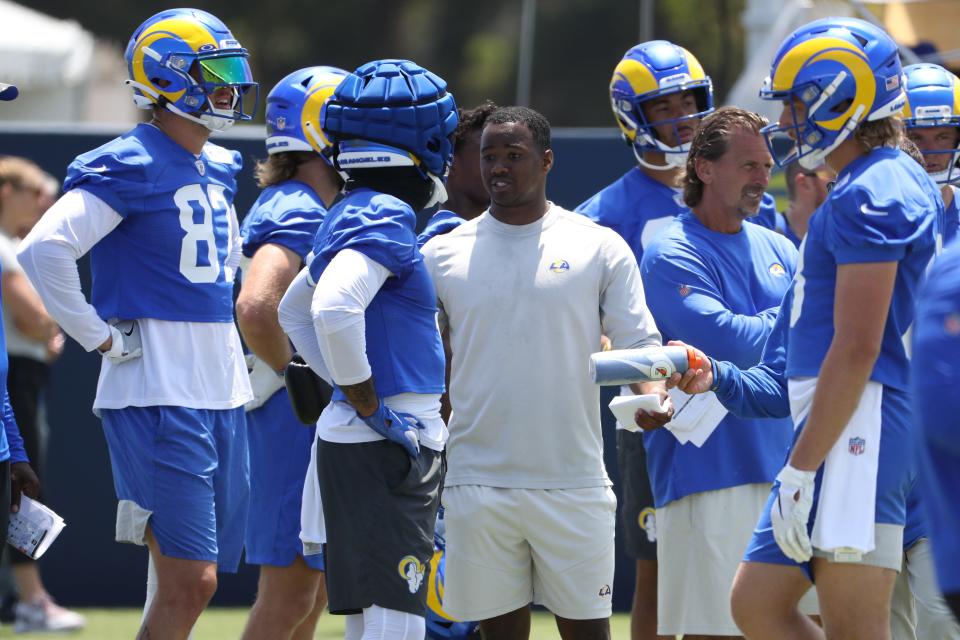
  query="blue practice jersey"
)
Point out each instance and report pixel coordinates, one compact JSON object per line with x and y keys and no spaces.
{"x":11,"y":444}
{"x":884,"y":208}
{"x":403,"y":343}
{"x":635,"y":206}
{"x":167,"y":258}
{"x":952,"y":226}
{"x":287,"y":214}
{"x":441,"y":222}
{"x":720,"y":292}
{"x":767,"y":216}
{"x":782,"y":226}
{"x":936,"y":375}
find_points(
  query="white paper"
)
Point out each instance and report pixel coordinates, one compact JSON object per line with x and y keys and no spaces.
{"x":624,"y":408}
{"x":33,"y":528}
{"x":695,"y":416}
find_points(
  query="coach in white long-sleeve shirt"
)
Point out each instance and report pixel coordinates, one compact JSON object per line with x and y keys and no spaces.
{"x":526,"y":290}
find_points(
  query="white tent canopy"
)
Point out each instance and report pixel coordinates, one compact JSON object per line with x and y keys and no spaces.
{"x":40,"y":52}
{"x":63,"y":74}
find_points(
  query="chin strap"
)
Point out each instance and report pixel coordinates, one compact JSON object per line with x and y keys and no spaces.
{"x":439,"y":193}
{"x":671,"y":159}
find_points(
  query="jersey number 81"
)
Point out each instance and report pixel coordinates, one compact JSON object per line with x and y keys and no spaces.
{"x":200,"y":232}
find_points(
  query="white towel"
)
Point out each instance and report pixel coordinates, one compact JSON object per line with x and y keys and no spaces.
{"x":694,"y":417}
{"x":846,"y":510}
{"x":313,"y":530}
{"x":624,"y":408}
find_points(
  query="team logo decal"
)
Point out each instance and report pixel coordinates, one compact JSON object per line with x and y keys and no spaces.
{"x":648,"y":522}
{"x":683,"y":290}
{"x":201,"y":168}
{"x":559,"y":266}
{"x":777,"y":270}
{"x":411,"y":570}
{"x":856,"y":446}
{"x":604,"y":591}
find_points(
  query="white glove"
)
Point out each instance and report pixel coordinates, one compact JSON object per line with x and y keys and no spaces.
{"x":264,"y":381}
{"x":126,"y":343}
{"x":791,"y":512}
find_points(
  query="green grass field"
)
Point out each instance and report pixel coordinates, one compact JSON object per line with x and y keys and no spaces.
{"x":227,"y":624}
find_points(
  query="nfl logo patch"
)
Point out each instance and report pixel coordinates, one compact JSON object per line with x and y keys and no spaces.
{"x":683,"y":290}
{"x":856,"y":446}
{"x":281,"y":123}
{"x":201,"y":168}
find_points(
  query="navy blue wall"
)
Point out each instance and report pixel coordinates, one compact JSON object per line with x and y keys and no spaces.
{"x":86,"y":567}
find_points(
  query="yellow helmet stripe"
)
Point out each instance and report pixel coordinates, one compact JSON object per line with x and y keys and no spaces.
{"x":637,"y":75}
{"x":190,"y":32}
{"x":317,"y":95}
{"x":694,"y":66}
{"x":865,"y":85}
{"x":956,"y":96}
{"x":798,"y":57}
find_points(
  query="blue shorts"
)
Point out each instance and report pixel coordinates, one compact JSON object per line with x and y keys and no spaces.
{"x":279,"y":456}
{"x":186,"y":473}
{"x":895,"y":477}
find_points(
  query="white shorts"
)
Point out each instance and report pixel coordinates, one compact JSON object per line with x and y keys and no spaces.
{"x":507,"y":548}
{"x":701,"y":539}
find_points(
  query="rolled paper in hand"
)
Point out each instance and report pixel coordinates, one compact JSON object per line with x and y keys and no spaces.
{"x":626,"y":366}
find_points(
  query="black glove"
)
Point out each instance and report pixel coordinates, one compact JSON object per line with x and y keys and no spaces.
{"x":308,"y":392}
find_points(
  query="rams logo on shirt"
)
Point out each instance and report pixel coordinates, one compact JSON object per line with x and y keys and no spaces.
{"x":411,"y":570}
{"x":559,"y":266}
{"x":777,"y":270}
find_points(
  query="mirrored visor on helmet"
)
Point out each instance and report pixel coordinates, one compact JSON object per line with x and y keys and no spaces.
{"x":226,"y":70}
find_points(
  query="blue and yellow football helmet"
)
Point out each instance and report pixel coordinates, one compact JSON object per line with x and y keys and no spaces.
{"x":392,"y":113}
{"x":441,"y":626}
{"x":177,"y":60}
{"x":293,"y":111}
{"x":652,"y":70}
{"x":933,"y":100}
{"x":844,"y":71}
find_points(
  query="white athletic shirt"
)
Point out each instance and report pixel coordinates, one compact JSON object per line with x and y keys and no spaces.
{"x":198,"y":365}
{"x":17,"y":343}
{"x":525,"y":306}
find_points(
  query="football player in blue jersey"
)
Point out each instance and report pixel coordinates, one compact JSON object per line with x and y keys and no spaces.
{"x":659,"y":92}
{"x":837,"y":510}
{"x":154,"y":209}
{"x":806,"y":191}
{"x":364,"y":310}
{"x":299,"y":183}
{"x":936,"y":351}
{"x":466,"y":197}
{"x":711,"y":278}
{"x":932,"y":118}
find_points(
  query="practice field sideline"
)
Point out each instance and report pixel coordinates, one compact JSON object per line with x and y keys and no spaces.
{"x":227,"y":624}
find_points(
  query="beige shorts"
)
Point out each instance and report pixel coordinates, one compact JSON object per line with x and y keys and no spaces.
{"x":507,"y":548}
{"x":701,"y":539}
{"x":887,"y":552}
